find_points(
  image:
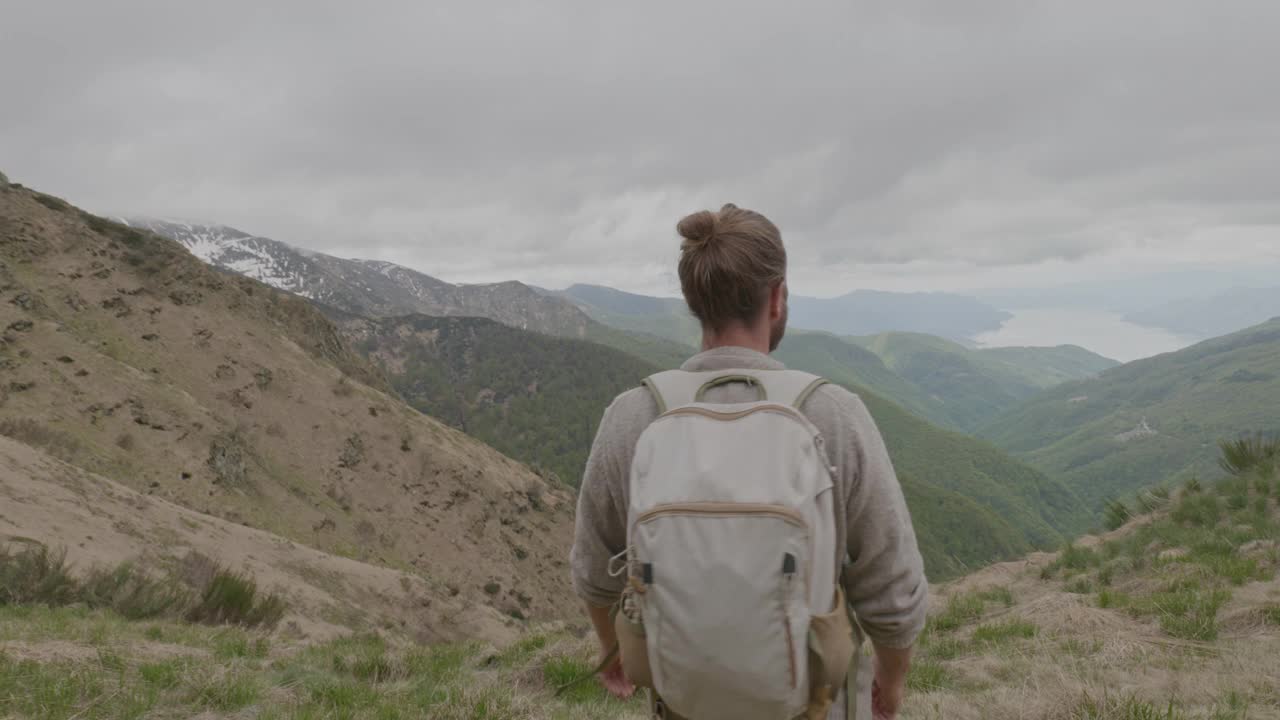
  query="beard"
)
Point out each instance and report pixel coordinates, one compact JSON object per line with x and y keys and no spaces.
{"x":778,"y":330}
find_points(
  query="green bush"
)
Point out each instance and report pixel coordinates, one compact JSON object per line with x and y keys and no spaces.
{"x":232,"y":599}
{"x":36,"y":576}
{"x":131,"y":593}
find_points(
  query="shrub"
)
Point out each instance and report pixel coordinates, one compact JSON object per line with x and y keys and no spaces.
{"x":36,"y":576}
{"x":132,"y":594}
{"x":51,"y":202}
{"x":1241,"y":455}
{"x":232,"y":599}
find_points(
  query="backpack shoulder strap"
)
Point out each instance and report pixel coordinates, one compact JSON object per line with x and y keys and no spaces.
{"x":788,"y":387}
{"x":675,"y":388}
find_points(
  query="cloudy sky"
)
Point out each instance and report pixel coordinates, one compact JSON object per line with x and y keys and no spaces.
{"x":900,"y":145}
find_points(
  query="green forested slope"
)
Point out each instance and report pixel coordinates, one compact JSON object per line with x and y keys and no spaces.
{"x":666,"y":354}
{"x":850,"y":364}
{"x":1039,"y":508}
{"x":664,"y":317}
{"x":967,"y":387}
{"x":1151,"y":420}
{"x":534,"y":397}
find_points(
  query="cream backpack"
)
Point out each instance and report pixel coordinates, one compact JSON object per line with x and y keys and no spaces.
{"x":733,"y":608}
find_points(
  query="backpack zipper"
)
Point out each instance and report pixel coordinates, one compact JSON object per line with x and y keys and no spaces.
{"x":789,"y":576}
{"x":722,"y":508}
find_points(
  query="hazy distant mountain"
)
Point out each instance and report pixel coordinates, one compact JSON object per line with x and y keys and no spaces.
{"x":664,"y":317}
{"x":1219,"y":314}
{"x":369,"y":287}
{"x":1133,"y":293}
{"x":1152,"y":420}
{"x":869,"y":312}
{"x":862,"y":312}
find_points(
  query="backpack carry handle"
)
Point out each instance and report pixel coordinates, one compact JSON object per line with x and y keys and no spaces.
{"x":761,"y":393}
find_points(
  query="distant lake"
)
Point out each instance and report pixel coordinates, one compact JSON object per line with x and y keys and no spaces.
{"x":1104,"y":333}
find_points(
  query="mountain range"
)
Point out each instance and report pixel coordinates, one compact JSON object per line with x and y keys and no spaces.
{"x":539,"y":397}
{"x":367,"y":287}
{"x":1218,"y":314}
{"x":861,"y":312}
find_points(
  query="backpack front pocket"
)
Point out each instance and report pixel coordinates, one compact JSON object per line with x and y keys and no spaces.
{"x":725,"y":608}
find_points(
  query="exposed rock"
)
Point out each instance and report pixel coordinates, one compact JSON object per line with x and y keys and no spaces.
{"x":227,"y":460}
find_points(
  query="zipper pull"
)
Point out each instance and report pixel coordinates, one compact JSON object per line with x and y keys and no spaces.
{"x":788,"y":564}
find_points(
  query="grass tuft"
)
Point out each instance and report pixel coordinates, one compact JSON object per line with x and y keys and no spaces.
{"x":1248,"y":453}
{"x":1125,"y":708}
{"x":1002,"y":632}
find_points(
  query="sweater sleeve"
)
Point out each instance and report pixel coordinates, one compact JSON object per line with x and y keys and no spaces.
{"x":600,"y":531}
{"x":884,"y":580}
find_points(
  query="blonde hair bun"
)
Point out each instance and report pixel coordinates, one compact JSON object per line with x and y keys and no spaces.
{"x":698,"y":229}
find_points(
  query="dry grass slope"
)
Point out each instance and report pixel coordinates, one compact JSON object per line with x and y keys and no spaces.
{"x":1176,"y":615}
{"x":126,"y":358}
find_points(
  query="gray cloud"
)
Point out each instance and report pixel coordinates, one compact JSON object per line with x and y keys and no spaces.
{"x":560,"y":141}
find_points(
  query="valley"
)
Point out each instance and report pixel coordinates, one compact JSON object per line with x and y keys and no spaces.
{"x":402,"y":483}
{"x":538,"y":397}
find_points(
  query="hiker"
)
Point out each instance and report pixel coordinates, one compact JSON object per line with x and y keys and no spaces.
{"x":722,"y":549}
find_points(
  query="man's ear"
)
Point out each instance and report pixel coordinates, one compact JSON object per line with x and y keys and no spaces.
{"x":778,"y":300}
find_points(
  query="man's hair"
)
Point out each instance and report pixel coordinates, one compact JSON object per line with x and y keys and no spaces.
{"x":729,"y":259}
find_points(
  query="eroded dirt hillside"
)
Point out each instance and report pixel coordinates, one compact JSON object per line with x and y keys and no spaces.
{"x":124,"y":356}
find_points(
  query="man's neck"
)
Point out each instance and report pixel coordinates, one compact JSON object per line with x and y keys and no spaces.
{"x":738,"y":336}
